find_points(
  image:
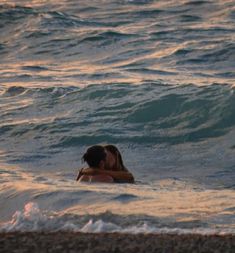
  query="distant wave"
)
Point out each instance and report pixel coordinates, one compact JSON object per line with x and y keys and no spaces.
{"x":146,"y":114}
{"x":118,"y":41}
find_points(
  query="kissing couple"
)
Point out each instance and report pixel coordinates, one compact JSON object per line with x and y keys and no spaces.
{"x":105,"y":166}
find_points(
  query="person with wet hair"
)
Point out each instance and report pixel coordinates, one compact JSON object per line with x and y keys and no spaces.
{"x":114,"y":158}
{"x":95,"y":157}
{"x":99,"y":167}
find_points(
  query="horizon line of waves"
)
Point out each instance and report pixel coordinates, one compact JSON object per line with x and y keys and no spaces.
{"x":95,"y":38}
{"x":14,"y":91}
{"x":51,"y":19}
{"x":194,"y":136}
{"x":169,"y":118}
{"x":131,"y":61}
{"x":163,"y":113}
{"x":66,"y":18}
{"x":221,"y":54}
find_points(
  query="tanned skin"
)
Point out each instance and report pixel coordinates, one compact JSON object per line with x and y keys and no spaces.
{"x":118,"y":176}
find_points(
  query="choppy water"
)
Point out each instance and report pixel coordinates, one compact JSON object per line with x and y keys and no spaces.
{"x":155,"y":78}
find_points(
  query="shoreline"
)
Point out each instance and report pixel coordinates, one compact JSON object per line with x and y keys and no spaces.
{"x":114,"y":242}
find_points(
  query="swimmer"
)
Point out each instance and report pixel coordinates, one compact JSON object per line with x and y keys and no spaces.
{"x":102,"y":167}
{"x":115,"y":163}
{"x":114,"y":159}
{"x":95,"y":157}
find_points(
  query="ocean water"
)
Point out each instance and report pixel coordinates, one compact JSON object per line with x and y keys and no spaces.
{"x":155,"y":78}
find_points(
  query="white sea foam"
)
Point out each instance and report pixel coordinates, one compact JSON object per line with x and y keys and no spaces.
{"x":28,"y":220}
{"x":100,"y":226}
{"x":33,"y":219}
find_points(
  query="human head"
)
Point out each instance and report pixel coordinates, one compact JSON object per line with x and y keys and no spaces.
{"x":114,"y":159}
{"x":95,"y":156}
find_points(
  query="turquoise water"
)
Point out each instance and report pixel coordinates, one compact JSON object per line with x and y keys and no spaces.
{"x":155,"y":78}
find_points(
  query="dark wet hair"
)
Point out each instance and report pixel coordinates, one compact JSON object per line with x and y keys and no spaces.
{"x":114,"y":150}
{"x":94,"y":155}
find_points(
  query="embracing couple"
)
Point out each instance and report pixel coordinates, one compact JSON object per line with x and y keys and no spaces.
{"x":105,"y":166}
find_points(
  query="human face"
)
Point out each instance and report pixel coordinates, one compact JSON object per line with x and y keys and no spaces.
{"x":110,"y":162}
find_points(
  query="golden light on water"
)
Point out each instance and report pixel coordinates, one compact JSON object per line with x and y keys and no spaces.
{"x":58,"y":46}
{"x":184,"y":204}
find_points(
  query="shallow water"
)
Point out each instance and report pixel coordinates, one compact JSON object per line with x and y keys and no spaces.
{"x":155,"y":78}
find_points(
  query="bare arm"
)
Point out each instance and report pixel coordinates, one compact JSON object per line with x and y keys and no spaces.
{"x":79,"y":174}
{"x":118,"y":176}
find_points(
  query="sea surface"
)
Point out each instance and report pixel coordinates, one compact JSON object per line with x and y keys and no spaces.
{"x":155,"y":78}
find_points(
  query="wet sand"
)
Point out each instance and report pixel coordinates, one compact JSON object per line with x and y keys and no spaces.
{"x":114,"y":242}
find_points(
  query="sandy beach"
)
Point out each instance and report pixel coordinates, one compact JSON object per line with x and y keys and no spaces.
{"x":114,"y":242}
